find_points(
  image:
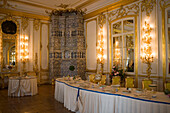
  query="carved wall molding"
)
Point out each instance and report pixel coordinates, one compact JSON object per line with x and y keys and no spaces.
{"x":147,"y":5}
{"x":6,"y":4}
{"x":24,"y":22}
{"x":124,"y":11}
{"x":36,"y":24}
{"x":101,"y":20}
{"x":162,"y":4}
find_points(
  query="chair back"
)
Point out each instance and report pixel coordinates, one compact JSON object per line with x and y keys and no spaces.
{"x":129,"y":82}
{"x":116,"y":80}
{"x":146,"y":83}
{"x":103,"y":80}
{"x":92,"y":78}
{"x":167,"y":85}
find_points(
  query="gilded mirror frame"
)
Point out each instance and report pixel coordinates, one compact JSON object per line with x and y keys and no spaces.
{"x":9,"y":36}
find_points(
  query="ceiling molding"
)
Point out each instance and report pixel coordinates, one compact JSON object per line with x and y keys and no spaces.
{"x":88,"y":2}
{"x":109,"y":8}
{"x":19,"y":13}
{"x":32,"y":4}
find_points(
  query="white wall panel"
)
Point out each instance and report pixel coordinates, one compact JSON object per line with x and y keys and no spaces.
{"x":44,"y":49}
{"x":91,"y":45}
{"x":36,"y":40}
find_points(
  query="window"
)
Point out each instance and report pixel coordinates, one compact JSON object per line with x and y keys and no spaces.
{"x":123,"y":32}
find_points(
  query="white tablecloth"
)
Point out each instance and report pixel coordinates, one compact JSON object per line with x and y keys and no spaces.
{"x":22,"y":86}
{"x":59,"y":91}
{"x":96,"y":101}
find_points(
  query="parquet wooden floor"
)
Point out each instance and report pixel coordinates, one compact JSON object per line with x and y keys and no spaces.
{"x":43,"y":102}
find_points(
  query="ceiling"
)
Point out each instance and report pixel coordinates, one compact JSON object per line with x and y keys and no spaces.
{"x":40,"y":6}
{"x":52,"y":4}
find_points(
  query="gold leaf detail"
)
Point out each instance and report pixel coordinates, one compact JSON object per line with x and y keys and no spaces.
{"x":124,"y":11}
{"x":101,"y":20}
{"x":36,"y":24}
{"x":162,"y":4}
{"x":24,"y":22}
{"x":147,"y":5}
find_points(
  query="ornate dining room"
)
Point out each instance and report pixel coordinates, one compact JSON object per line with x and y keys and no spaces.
{"x":84,"y":56}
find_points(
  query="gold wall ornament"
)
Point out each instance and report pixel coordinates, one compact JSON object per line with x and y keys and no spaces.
{"x":63,"y":6}
{"x":146,"y":49}
{"x":101,"y":20}
{"x":24,"y":22}
{"x":147,"y":5}
{"x":162,"y":4}
{"x":110,"y":7}
{"x":124,"y":11}
{"x":36,"y":24}
{"x":58,"y":12}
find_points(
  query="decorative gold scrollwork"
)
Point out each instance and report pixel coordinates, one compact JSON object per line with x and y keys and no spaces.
{"x":24,"y":22}
{"x":124,"y":11}
{"x":147,"y":5}
{"x":36,"y":24}
{"x":101,"y":20}
{"x":162,"y":4}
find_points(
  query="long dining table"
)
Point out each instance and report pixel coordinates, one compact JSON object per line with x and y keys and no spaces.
{"x":85,"y":97}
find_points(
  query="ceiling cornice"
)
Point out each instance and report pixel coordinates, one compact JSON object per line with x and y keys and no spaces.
{"x":19,"y":13}
{"x":109,"y":8}
{"x":32,"y":4}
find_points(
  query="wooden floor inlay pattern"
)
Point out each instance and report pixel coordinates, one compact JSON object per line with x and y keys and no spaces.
{"x":44,"y":102}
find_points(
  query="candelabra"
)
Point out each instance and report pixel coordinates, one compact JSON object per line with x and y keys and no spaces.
{"x":147,"y":54}
{"x":100,"y":50}
{"x":24,"y":51}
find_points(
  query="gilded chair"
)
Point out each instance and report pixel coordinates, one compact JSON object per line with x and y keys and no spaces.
{"x":129,"y":82}
{"x":103,"y":80}
{"x":167,"y":85}
{"x":116,"y":80}
{"x":92,"y":78}
{"x":146,"y":83}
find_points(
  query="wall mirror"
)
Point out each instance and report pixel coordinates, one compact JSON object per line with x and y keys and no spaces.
{"x":9,"y":36}
{"x":123,"y":37}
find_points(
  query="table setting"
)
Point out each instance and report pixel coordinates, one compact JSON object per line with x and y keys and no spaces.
{"x":80,"y":96}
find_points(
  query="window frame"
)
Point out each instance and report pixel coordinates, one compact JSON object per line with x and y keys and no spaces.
{"x":122,"y":34}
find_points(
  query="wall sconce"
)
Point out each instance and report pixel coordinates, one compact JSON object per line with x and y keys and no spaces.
{"x":146,"y":49}
{"x":24,"y":48}
{"x":24,"y":51}
{"x":100,"y":50}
